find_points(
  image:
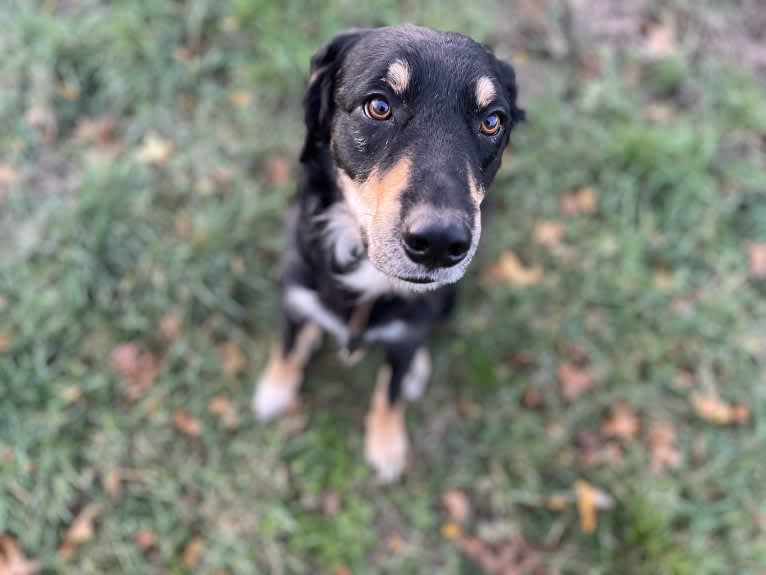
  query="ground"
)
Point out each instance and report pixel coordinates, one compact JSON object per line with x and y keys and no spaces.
{"x":598,"y":403}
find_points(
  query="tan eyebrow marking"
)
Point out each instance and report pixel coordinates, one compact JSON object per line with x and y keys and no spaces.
{"x":398,"y":76}
{"x":485,"y":91}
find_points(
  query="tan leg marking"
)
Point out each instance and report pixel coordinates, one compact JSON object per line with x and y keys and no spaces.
{"x":279,"y":383}
{"x":385,"y":443}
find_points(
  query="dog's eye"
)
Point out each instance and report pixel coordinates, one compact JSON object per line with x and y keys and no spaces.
{"x":377,"y":108}
{"x":491,"y":124}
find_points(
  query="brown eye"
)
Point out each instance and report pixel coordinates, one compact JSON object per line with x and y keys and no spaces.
{"x":491,"y":124}
{"x":378,"y":108}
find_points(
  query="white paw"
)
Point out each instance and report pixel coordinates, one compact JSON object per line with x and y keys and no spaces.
{"x":272,"y":396}
{"x":386,"y":445}
{"x":416,"y":379}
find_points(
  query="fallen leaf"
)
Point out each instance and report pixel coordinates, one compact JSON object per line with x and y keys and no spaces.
{"x":394,"y":543}
{"x":68,"y":91}
{"x":664,"y":454}
{"x":457,"y":505}
{"x":5,"y":341}
{"x":12,"y":559}
{"x":509,"y":269}
{"x":595,"y":451}
{"x":659,"y":41}
{"x":112,"y":482}
{"x":241,"y":98}
{"x":341,"y":570}
{"x":8,"y":175}
{"x":145,"y":539}
{"x":278,"y":170}
{"x":95,"y":130}
{"x":586,"y":505}
{"x":582,"y":202}
{"x":225,"y":410}
{"x":506,"y":557}
{"x":234,"y":360}
{"x":573,"y":380}
{"x":154,"y":150}
{"x":757,"y":256}
{"x":532,"y":398}
{"x":81,"y":531}
{"x":713,"y":409}
{"x":548,"y":234}
{"x":193,"y":552}
{"x":170,"y":326}
{"x":451,"y":530}
{"x":186,"y":423}
{"x":621,"y":422}
{"x":138,"y":368}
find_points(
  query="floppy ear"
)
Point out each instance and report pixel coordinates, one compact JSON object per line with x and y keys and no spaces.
{"x":507,"y":76}
{"x":319,"y":102}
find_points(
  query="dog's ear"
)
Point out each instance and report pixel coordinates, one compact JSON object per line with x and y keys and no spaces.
{"x":319,"y":103}
{"x":507,"y":76}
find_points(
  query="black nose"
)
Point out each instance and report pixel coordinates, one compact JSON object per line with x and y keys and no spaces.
{"x":437,"y":244}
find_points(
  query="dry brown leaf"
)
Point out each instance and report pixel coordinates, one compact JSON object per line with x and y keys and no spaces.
{"x":595,"y":451}
{"x":112,"y":483}
{"x":170,"y":326}
{"x":5,"y":341}
{"x":660,"y":41}
{"x":586,"y":505}
{"x":394,"y":543}
{"x":234,"y":361}
{"x":95,"y":130}
{"x":582,"y":202}
{"x":155,"y":150}
{"x":145,"y":539}
{"x":713,"y":409}
{"x":664,"y":454}
{"x":187,"y":423}
{"x":509,"y":269}
{"x":193,"y":552}
{"x":342,"y":570}
{"x":241,"y":98}
{"x":457,"y":505}
{"x":225,"y":410}
{"x":12,"y":559}
{"x":278,"y":170}
{"x":757,"y":256}
{"x":507,"y":557}
{"x":621,"y":422}
{"x":451,"y":530}
{"x":548,"y":234}
{"x":81,"y":531}
{"x":8,"y":175}
{"x":138,"y":368}
{"x":573,"y":380}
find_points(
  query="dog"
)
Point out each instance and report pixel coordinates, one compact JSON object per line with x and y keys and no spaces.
{"x":405,"y":131}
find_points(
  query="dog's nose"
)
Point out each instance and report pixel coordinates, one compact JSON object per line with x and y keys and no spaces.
{"x":437,"y":244}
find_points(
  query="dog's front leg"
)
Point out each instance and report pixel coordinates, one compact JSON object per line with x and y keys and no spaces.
{"x":386,"y":444}
{"x":279,"y":384}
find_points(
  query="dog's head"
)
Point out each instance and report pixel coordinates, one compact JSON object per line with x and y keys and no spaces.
{"x":414,"y":122}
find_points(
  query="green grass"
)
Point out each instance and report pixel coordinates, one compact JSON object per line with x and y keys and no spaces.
{"x":97,"y":246}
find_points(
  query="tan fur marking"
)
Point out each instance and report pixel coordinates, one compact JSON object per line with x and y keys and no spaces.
{"x":376,"y":202}
{"x":398,"y":76}
{"x":284,"y":374}
{"x":386,"y":443}
{"x":477,"y":192}
{"x":485,"y":91}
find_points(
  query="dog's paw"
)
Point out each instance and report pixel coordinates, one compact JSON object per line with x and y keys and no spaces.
{"x":276,"y":390}
{"x":386,"y":444}
{"x":416,"y":379}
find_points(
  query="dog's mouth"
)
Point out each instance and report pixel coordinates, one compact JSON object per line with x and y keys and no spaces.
{"x":416,"y":280}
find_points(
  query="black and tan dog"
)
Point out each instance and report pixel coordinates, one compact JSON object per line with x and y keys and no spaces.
{"x":406,"y":128}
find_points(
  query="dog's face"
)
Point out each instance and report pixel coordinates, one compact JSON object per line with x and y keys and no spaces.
{"x":415,"y":121}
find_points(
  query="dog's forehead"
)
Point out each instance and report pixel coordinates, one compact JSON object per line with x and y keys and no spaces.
{"x":406,"y":55}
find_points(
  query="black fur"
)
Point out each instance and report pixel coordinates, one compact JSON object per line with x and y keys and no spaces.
{"x":435,"y":125}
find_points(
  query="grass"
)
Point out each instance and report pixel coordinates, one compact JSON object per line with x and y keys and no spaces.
{"x":649,"y":292}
